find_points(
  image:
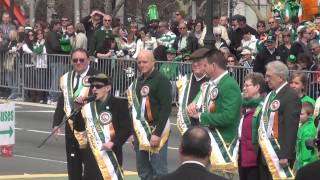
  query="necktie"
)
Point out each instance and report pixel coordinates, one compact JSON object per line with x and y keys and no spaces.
{"x":77,"y":83}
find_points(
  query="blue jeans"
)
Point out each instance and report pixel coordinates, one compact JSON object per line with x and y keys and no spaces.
{"x":150,"y":166}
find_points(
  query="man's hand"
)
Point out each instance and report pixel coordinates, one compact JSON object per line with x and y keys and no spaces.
{"x":155,"y":141}
{"x":108,"y":146}
{"x":56,"y":132}
{"x":283,"y":162}
{"x":193,"y":110}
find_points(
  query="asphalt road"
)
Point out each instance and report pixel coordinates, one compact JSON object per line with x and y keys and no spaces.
{"x":33,"y":124}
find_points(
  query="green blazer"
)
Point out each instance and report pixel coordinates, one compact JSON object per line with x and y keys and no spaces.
{"x":227,"y":109}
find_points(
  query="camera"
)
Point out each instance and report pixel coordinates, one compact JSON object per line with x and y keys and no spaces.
{"x":313,"y":143}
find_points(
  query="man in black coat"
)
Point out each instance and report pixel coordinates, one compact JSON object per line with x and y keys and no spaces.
{"x":186,"y":42}
{"x":267,"y":54}
{"x":285,"y":103}
{"x":120,"y":125}
{"x":75,"y":154}
{"x":309,"y":172}
{"x":195,"y":150}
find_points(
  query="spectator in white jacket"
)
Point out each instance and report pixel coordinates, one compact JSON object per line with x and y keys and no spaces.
{"x":248,"y":41}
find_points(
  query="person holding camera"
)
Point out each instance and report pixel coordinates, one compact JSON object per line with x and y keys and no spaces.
{"x":307,"y":130}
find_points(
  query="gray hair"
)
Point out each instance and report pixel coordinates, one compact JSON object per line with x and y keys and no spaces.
{"x":314,"y":42}
{"x":279,"y":68}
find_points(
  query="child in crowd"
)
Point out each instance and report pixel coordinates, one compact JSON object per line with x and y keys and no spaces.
{"x":306,"y":131}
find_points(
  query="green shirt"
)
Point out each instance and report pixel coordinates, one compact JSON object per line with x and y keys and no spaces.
{"x":306,"y":131}
{"x":160,"y":99}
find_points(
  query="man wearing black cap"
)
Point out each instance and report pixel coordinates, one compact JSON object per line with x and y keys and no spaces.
{"x":188,"y":87}
{"x":72,"y":87}
{"x":267,"y":54}
{"x":108,"y":126}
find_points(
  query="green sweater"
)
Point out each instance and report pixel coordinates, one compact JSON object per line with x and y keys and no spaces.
{"x":306,"y":131}
{"x":227,"y":109}
{"x":160,"y":99}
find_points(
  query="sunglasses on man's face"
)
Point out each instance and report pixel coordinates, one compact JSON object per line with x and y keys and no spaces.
{"x":182,"y":28}
{"x":97,"y":86}
{"x":107,"y":20}
{"x":80,"y":60}
{"x":177,"y":14}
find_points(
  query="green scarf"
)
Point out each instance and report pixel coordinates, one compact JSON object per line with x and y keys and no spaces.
{"x":251,"y":103}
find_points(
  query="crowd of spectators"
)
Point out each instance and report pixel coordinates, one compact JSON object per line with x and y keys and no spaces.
{"x":294,"y":43}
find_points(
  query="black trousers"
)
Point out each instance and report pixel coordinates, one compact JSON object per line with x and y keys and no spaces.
{"x":249,"y":173}
{"x":75,"y":155}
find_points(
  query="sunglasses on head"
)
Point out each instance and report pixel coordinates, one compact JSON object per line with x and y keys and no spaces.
{"x":97,"y":86}
{"x":76,"y":60}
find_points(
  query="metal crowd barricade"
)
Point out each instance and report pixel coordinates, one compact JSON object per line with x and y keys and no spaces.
{"x":25,"y":74}
{"x":10,"y":73}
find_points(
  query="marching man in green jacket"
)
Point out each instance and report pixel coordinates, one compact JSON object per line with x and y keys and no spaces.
{"x":218,"y":107}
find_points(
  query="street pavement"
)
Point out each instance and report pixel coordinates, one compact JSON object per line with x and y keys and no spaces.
{"x":33,"y":124}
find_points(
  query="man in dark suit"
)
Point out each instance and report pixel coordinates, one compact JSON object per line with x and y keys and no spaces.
{"x":309,"y":172}
{"x":113,"y":114}
{"x":278,"y":123}
{"x":195,"y":150}
{"x":71,"y":85}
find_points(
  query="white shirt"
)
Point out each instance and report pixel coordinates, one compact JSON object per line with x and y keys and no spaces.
{"x":277,"y":91}
{"x":193,"y":162}
{"x":217,"y":80}
{"x":82,"y":75}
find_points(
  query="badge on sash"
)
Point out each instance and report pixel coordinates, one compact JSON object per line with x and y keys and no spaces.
{"x":105,"y":118}
{"x":214,"y":93}
{"x":204,"y":86}
{"x":85,"y":81}
{"x":274,"y":106}
{"x":145,"y":91}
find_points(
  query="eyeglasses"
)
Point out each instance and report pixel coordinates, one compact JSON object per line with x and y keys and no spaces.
{"x":97,"y":86}
{"x":231,"y":61}
{"x":80,"y":60}
{"x":271,"y":22}
{"x":107,"y":20}
{"x":64,"y":19}
{"x":177,"y":14}
{"x":260,"y":26}
{"x":217,"y":35}
{"x":182,"y":28}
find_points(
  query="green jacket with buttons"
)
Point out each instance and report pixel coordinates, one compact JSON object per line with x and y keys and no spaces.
{"x":226,"y":116}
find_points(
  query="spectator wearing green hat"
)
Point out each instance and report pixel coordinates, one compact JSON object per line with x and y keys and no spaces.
{"x":292,"y":62}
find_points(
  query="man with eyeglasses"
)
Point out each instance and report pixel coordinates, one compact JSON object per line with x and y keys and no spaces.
{"x":186,"y":42}
{"x":64,"y":22}
{"x":71,"y":84}
{"x":315,"y":50}
{"x":167,"y":37}
{"x":179,"y":18}
{"x":274,"y":26}
{"x":150,"y":99}
{"x":108,"y":126}
{"x":101,"y":36}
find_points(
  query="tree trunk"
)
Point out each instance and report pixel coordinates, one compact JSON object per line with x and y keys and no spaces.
{"x":50,"y":9}
{"x":85,"y":8}
{"x":108,"y":6}
{"x":118,"y":7}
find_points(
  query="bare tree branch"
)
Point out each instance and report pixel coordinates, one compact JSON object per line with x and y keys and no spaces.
{"x":118,"y":7}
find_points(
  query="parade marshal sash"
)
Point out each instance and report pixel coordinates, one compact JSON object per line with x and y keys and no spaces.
{"x":141,"y":126}
{"x":220,"y":158}
{"x":183,"y":120}
{"x":267,"y":139}
{"x":67,"y":89}
{"x":99,"y":131}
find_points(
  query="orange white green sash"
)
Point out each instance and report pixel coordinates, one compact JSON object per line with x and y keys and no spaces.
{"x":220,"y":158}
{"x":66,"y":85}
{"x":141,"y":126}
{"x":99,"y":131}
{"x":268,"y":143}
